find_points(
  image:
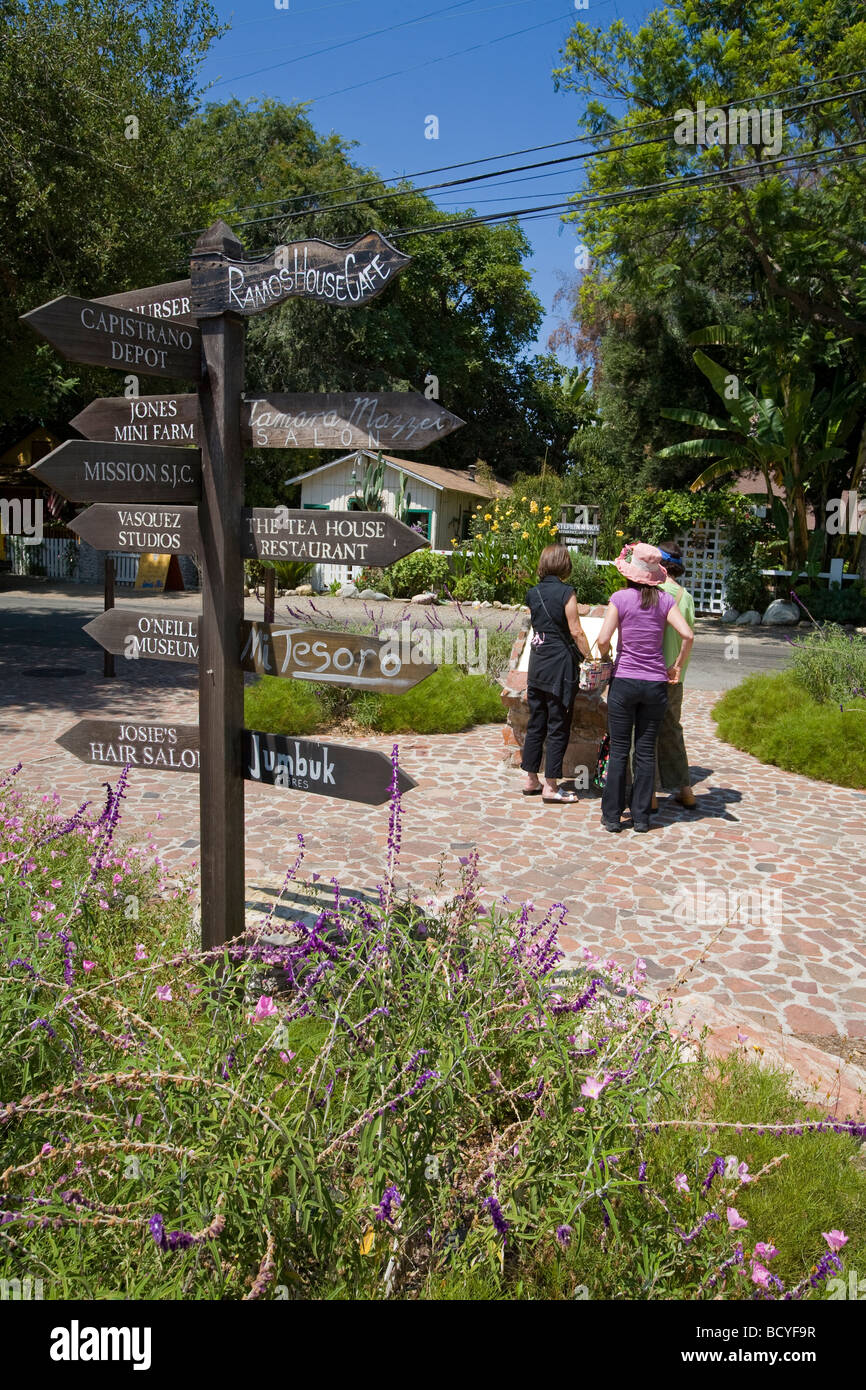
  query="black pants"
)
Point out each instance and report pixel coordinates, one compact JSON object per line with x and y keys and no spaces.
{"x":632,"y":706}
{"x":549,"y":719}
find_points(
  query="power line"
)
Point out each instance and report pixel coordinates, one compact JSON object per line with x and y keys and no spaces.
{"x":654,"y":124}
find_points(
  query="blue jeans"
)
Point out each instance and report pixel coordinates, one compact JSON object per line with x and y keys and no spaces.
{"x":637,"y":707}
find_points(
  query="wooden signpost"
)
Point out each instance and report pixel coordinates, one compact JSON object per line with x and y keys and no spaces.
{"x":195,"y":330}
{"x":136,"y":632}
{"x":329,"y":769}
{"x":165,"y":530}
{"x":344,"y":420}
{"x":172,"y":301}
{"x":337,"y":658}
{"x":121,"y":742}
{"x":85,"y":472}
{"x":140,"y":420}
{"x":348,"y":273}
{"x":328,"y":538}
{"x":85,"y":331}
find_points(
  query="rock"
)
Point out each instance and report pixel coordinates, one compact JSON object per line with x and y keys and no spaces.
{"x":476,"y":603}
{"x":730,"y":615}
{"x":485,"y":604}
{"x":780,"y":611}
{"x":304,"y":591}
{"x":372,"y":593}
{"x":423,"y":598}
{"x":750,"y":619}
{"x":497,"y":604}
{"x":348,"y":590}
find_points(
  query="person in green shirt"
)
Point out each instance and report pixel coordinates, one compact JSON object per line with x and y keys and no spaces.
{"x":672,"y":760}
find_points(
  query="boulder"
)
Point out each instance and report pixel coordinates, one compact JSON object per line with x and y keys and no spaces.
{"x":348,"y":590}
{"x":781,"y":611}
{"x":750,"y":619}
{"x":730,"y":615}
{"x":428,"y":597}
{"x":304,"y":591}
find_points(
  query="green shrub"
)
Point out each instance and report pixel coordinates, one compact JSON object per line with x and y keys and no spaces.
{"x":775,"y":719}
{"x":377,"y":579}
{"x":745,"y":588}
{"x":830,"y":665}
{"x":444,"y":703}
{"x":421,"y":572}
{"x":589,"y":580}
{"x":277,"y":706}
{"x":471,"y":588}
{"x":835,"y":605}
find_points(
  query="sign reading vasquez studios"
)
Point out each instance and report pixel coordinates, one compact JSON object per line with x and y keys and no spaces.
{"x":84,"y":331}
{"x":85,"y":472}
{"x":348,"y":274}
{"x":340,"y":538}
{"x":151,"y":530}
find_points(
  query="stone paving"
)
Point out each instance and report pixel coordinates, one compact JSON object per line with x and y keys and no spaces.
{"x":772,"y":860}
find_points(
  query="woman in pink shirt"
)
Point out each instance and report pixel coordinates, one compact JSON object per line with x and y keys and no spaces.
{"x":638,"y":693}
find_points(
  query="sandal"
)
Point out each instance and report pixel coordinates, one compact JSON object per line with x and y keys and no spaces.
{"x":531,"y":791}
{"x":560,"y":799}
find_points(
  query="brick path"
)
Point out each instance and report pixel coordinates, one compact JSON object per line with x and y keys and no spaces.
{"x":795,"y":960}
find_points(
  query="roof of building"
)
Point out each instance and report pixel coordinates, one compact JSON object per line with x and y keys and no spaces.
{"x":443,"y":479}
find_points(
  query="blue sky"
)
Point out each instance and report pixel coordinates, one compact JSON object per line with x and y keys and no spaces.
{"x":490,"y":87}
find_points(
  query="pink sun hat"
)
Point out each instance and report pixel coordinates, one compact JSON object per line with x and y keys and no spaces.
{"x":641,"y":563}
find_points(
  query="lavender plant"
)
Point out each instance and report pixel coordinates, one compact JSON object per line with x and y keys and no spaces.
{"x":405,"y":1094}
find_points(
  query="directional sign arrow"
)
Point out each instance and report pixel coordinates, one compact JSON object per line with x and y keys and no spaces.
{"x":160,"y":747}
{"x":86,"y":472}
{"x":137,"y":632}
{"x":344,"y":420}
{"x":140,"y":420}
{"x":171,"y":301}
{"x":145,"y":530}
{"x":329,"y":769}
{"x":348,"y":273}
{"x":336,"y":658}
{"x":328,"y":538}
{"x":84,"y":330}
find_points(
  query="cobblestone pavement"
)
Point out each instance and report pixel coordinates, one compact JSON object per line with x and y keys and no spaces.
{"x":782,"y":856}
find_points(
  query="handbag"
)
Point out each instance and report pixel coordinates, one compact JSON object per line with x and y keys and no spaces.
{"x":595,"y":674}
{"x":599,"y":777}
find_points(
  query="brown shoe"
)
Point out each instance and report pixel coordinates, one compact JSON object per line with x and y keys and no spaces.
{"x":686,"y":797}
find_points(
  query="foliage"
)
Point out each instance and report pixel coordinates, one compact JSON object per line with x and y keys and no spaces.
{"x":446,"y":702}
{"x":655,"y":516}
{"x":830,"y":664}
{"x":419,"y":573}
{"x":277,"y":706}
{"x":84,"y":209}
{"x":402,"y":1099}
{"x":372,"y":484}
{"x":507,"y":536}
{"x":589,"y":580}
{"x":471,"y":588}
{"x":834,"y":604}
{"x":776,"y":720}
{"x":745,"y":587}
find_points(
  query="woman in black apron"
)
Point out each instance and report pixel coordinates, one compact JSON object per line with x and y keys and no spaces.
{"x":558,"y":641}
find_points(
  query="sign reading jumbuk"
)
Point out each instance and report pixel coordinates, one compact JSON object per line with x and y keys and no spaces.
{"x":85,"y":472}
{"x":84,"y":331}
{"x":340,"y":538}
{"x":349,"y":274}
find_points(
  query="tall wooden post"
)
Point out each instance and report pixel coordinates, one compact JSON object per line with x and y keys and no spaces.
{"x":108,"y":659}
{"x":270,"y":595}
{"x":220,"y":677}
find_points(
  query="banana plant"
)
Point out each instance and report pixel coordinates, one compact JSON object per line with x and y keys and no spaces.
{"x":778,"y":431}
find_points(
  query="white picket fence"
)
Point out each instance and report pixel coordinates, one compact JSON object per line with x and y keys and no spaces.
{"x":51,"y":557}
{"x":125,"y":567}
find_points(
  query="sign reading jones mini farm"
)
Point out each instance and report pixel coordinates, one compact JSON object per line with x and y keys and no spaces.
{"x":351,"y":273}
{"x":162,"y":530}
{"x":84,"y":331}
{"x":86,"y":472}
{"x":340,"y":538}
{"x":134,"y":633}
{"x":166,"y":747}
{"x":140,"y":420}
{"x":343,"y":420}
{"x":350,"y":774}
{"x":339,"y":658}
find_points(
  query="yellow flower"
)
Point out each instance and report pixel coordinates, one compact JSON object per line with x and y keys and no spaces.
{"x":547,"y":506}
{"x":487,"y":516}
{"x":525,"y":536}
{"x":453,"y":542}
{"x":495,"y":526}
{"x":533,"y":506}
{"x":524,"y":499}
{"x":515,"y":525}
{"x":620,"y":533}
{"x":541,"y":524}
